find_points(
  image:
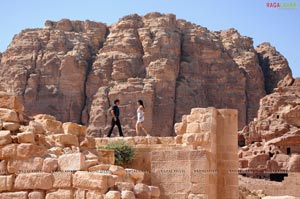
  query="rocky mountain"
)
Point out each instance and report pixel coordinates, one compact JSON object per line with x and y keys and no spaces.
{"x":273,"y":66}
{"x":271,"y":142}
{"x":74,"y":70}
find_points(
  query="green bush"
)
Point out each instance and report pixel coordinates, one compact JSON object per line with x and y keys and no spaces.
{"x":124,"y":152}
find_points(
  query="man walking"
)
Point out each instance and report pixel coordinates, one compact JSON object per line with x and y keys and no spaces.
{"x":115,"y":112}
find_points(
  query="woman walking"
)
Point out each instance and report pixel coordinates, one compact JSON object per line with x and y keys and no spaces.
{"x":140,"y":118}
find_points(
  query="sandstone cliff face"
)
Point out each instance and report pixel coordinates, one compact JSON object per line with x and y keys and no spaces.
{"x":272,"y":139}
{"x":49,"y":66}
{"x":241,"y":50}
{"x":74,"y":70}
{"x":273,"y":64}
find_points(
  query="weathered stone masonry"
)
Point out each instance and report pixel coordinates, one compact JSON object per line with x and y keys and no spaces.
{"x":200,"y":162}
{"x":43,"y":158}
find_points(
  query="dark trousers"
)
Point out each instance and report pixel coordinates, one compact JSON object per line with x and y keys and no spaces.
{"x":113,"y":123}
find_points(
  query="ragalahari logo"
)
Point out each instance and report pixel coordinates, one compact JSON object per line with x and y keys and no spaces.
{"x":283,"y":5}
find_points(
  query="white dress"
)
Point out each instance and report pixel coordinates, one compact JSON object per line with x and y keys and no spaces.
{"x":140,"y":115}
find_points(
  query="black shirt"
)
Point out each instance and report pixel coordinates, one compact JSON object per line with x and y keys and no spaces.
{"x":116,"y":110}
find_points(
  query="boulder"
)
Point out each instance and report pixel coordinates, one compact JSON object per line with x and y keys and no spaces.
{"x":50,"y":165}
{"x":94,"y":195}
{"x":127,"y":195}
{"x":11,"y":126}
{"x":74,"y":129}
{"x":5,"y":138}
{"x":142,"y":191}
{"x":43,"y":181}
{"x":112,"y":195}
{"x":27,"y":150}
{"x":25,"y":165}
{"x":117,"y":170}
{"x":6,"y":183}
{"x":65,"y":139}
{"x":36,"y":195}
{"x":71,"y":162}
{"x":14,"y":195}
{"x":62,"y":179}
{"x":181,"y":127}
{"x":8,"y":115}
{"x":89,"y":180}
{"x":11,"y":102}
{"x":258,"y":161}
{"x":155,"y":192}
{"x":52,"y":126}
{"x":124,"y":186}
{"x":106,"y":156}
{"x":294,"y":163}
{"x":8,"y":151}
{"x":36,"y":127}
{"x":136,"y":175}
{"x":26,"y":137}
{"x":88,"y":142}
{"x":61,"y":194}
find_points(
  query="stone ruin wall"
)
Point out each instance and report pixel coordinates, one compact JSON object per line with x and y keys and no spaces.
{"x":290,"y":186}
{"x":200,"y":162}
{"x":41,"y":157}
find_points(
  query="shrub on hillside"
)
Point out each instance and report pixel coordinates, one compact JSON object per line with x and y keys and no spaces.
{"x":124,"y":152}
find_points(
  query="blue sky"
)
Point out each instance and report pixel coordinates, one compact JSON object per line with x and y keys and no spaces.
{"x":280,"y":27}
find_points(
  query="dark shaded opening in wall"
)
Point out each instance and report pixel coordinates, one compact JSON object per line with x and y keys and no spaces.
{"x":271,"y":154}
{"x":278,"y":177}
{"x":277,"y":116}
{"x":241,"y":141}
{"x":288,"y":151}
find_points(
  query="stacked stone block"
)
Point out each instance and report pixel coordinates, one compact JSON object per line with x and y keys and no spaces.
{"x":42,"y":158}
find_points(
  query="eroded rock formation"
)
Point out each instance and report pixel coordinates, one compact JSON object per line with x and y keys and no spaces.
{"x":274,"y":66}
{"x":48,"y":67}
{"x":74,"y":70}
{"x":272,"y":139}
